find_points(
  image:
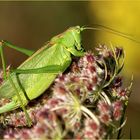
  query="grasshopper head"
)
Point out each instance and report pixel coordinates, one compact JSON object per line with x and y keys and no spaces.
{"x":72,"y":41}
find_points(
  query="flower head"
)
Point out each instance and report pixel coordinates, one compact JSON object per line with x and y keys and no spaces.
{"x":85,"y":102}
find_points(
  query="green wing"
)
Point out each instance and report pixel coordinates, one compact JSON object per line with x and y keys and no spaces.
{"x":36,"y":84}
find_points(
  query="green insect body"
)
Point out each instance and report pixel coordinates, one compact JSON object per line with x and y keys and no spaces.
{"x":38,"y":72}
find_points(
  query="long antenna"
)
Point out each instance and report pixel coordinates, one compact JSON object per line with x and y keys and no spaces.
{"x":99,"y":27}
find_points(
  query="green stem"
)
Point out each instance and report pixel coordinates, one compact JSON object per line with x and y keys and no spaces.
{"x":121,"y":122}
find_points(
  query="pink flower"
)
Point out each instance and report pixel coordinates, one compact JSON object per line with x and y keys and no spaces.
{"x":85,"y":102}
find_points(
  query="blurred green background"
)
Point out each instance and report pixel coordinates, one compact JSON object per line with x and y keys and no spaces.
{"x":30,"y":24}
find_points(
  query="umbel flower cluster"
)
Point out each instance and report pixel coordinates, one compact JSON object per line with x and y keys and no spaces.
{"x":86,"y":102}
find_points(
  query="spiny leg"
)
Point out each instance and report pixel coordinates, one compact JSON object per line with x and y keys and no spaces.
{"x":47,"y":69}
{"x":29,"y":121}
{"x":21,"y":87}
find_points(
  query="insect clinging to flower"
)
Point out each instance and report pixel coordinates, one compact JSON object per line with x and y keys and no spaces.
{"x":38,"y":72}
